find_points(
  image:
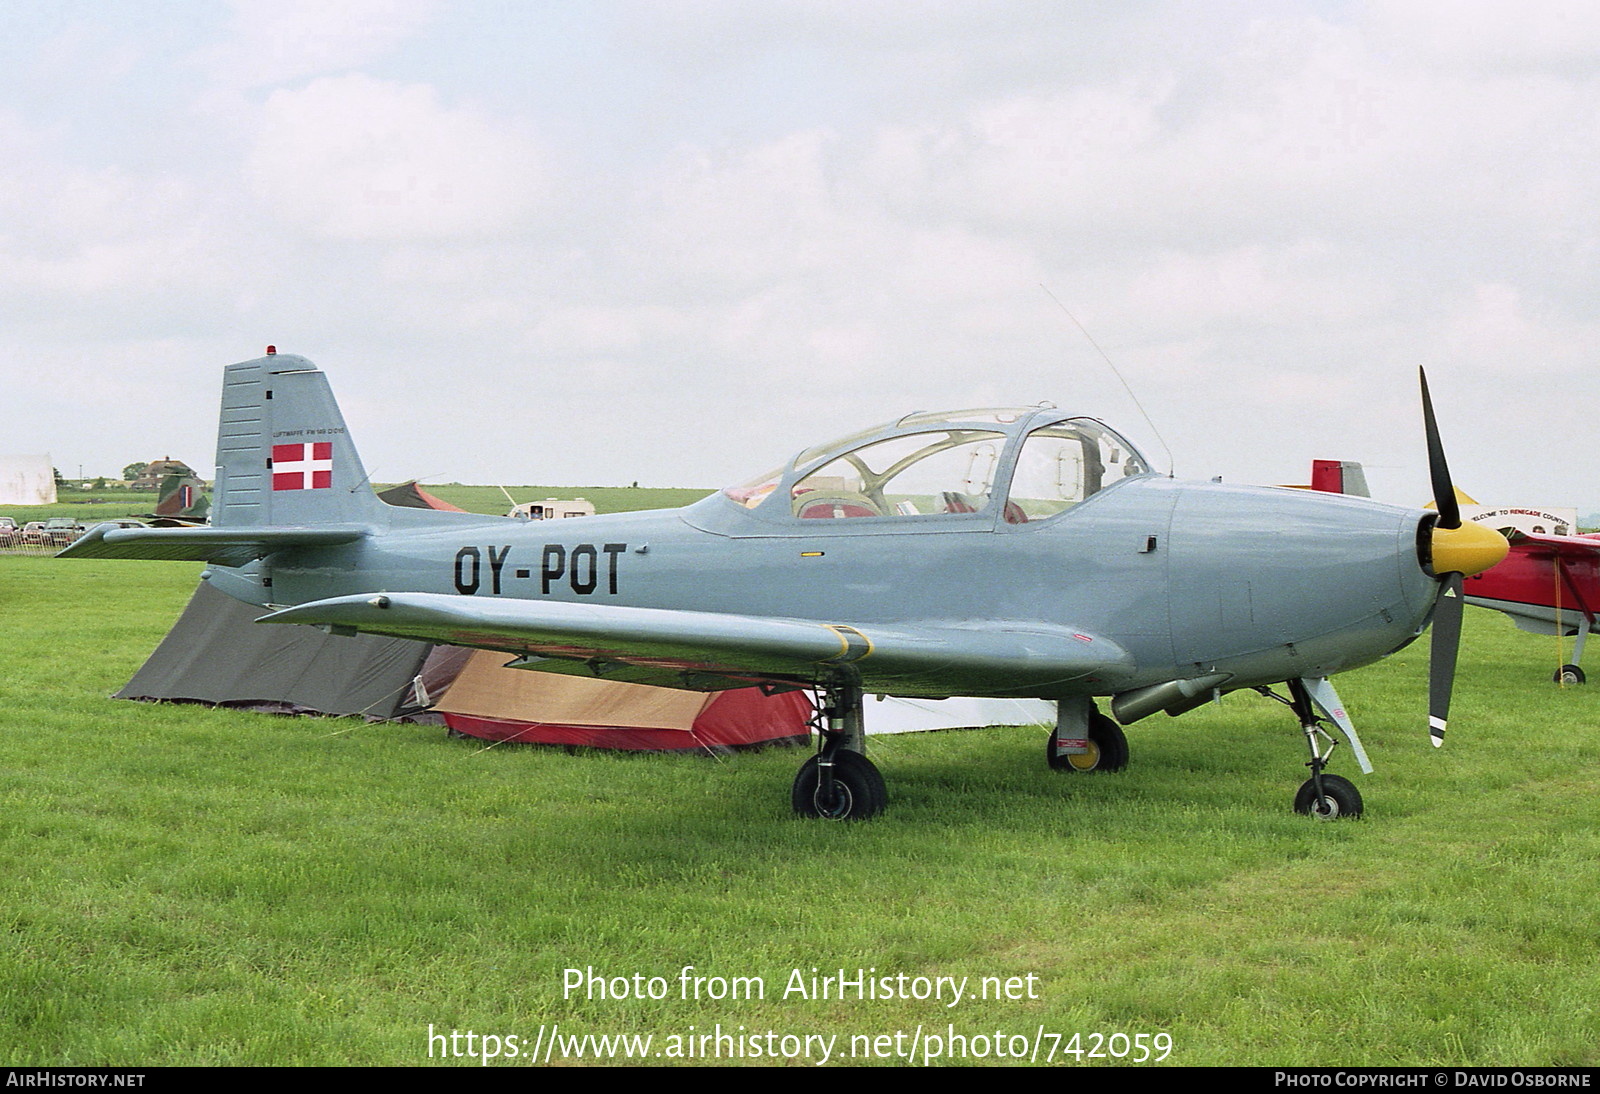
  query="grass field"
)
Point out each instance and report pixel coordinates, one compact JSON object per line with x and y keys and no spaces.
{"x":187,"y":886}
{"x":87,"y":507}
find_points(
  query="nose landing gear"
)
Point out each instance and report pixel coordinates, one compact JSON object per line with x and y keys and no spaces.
{"x":1324,"y":796}
{"x":1336,"y":798}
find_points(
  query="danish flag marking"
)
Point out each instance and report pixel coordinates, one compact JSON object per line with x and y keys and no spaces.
{"x":302,"y":466}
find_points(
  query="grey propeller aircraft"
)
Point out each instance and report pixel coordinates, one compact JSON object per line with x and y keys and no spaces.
{"x":1018,"y":552}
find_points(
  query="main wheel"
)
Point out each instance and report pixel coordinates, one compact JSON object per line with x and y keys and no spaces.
{"x":1567,"y":675}
{"x":1340,"y":798}
{"x":1108,"y":748}
{"x":858,"y":790}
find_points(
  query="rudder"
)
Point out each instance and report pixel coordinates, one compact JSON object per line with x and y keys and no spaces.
{"x":284,"y":456}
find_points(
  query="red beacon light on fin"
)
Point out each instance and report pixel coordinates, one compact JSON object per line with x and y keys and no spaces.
{"x":272,"y":351}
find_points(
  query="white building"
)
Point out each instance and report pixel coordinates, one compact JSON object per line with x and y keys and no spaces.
{"x":27,"y":480}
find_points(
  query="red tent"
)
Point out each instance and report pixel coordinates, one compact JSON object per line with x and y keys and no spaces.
{"x":494,"y":703}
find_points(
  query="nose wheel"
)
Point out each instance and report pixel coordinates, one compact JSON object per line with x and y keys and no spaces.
{"x":1337,"y":797}
{"x":1324,"y":796}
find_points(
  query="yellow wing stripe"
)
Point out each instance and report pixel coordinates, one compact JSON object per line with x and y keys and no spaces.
{"x":853,"y":645}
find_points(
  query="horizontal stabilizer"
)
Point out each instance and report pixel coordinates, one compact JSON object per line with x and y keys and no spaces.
{"x":706,"y":650}
{"x":220,"y":546}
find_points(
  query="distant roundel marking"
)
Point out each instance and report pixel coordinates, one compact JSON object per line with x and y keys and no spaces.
{"x":853,"y":645}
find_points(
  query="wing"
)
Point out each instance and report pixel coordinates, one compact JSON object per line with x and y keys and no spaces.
{"x":1522,"y":588}
{"x":1541,"y":545}
{"x":709,"y":651}
{"x":222,"y":546}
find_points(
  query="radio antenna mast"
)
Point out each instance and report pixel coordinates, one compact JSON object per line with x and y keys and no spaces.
{"x":1171,"y":463}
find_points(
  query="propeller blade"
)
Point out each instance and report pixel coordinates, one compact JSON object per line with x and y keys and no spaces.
{"x":1442,"y":659}
{"x":1444,"y":491}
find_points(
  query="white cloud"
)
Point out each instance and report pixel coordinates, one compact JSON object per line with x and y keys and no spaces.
{"x":1267,"y":216}
{"x":1497,"y":331}
{"x":87,"y":249}
{"x":273,"y":42}
{"x":1488,"y":34}
{"x":359,"y":159}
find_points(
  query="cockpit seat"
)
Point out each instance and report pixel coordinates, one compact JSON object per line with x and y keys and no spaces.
{"x":818,"y":505}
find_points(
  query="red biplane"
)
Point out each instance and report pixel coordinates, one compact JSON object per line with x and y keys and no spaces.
{"x":1547,"y":584}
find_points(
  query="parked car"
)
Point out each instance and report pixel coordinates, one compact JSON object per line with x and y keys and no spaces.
{"x":61,"y":531}
{"x":33,"y":534}
{"x":9,"y":532}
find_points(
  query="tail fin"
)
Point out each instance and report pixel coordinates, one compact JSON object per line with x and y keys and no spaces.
{"x":183,"y":496}
{"x":287,"y":477}
{"x":1339,"y":477}
{"x":284,"y":456}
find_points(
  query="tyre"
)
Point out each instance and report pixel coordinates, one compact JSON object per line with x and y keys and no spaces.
{"x":1108,"y":748}
{"x":1340,"y":798}
{"x":1568,"y":675}
{"x":858,"y":790}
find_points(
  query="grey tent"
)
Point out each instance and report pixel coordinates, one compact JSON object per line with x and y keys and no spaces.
{"x":216,"y":654}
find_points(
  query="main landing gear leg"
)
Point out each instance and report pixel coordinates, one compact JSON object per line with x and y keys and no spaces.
{"x":1324,"y":796}
{"x":1084,"y":739}
{"x":839,"y":782}
{"x":1570,"y":674}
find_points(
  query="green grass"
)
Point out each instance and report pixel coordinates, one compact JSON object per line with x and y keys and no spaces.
{"x":87,"y":507}
{"x":188,"y":886}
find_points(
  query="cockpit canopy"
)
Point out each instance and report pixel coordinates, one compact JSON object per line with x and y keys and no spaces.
{"x":1032,"y":462}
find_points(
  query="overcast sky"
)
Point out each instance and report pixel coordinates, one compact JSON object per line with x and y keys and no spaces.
{"x":589,"y":243}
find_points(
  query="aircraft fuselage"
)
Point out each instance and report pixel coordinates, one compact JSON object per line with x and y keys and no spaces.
{"x":1189,"y":578}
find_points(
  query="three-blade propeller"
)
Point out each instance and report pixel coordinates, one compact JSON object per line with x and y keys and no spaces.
{"x":1457,"y":549}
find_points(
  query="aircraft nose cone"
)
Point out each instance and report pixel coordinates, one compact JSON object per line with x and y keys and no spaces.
{"x":1468,"y":549}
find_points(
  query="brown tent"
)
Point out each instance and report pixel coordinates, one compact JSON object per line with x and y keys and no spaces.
{"x":215,"y":654}
{"x":494,"y":703}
